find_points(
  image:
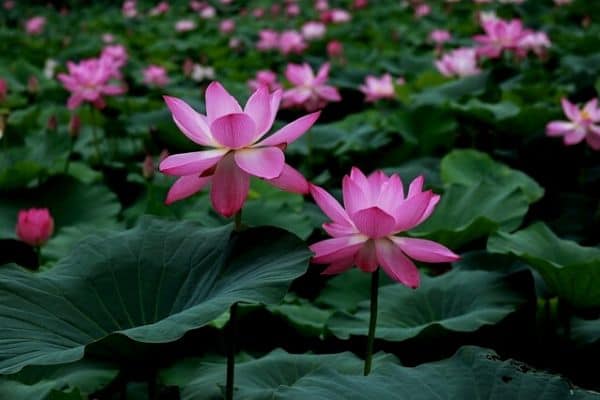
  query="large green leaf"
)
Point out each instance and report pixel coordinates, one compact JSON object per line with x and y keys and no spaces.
{"x":69,"y":201}
{"x":571,"y":271}
{"x":472,"y":373}
{"x":40,"y":382}
{"x":458,"y":301}
{"x":151,"y":284}
{"x":468,"y":167}
{"x":481,"y":196}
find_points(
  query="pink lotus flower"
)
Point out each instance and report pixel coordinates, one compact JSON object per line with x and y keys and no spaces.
{"x":155,"y":75}
{"x":89,"y":81}
{"x":310,"y":91}
{"x":313,"y":30}
{"x":422,"y":10}
{"x":321,"y":5}
{"x":335,"y":16}
{"x":364,"y":232}
{"x":266,"y":78}
{"x":538,"y":42}
{"x":291,"y":42}
{"x":335,"y":49}
{"x":460,"y":62}
{"x":439,"y":36}
{"x":501,"y":36}
{"x":239,"y":149}
{"x":129,"y":8}
{"x":227,"y":26}
{"x":116,"y":57}
{"x":583,"y":124}
{"x":35,"y":226}
{"x":185,"y":25}
{"x":108,"y":38}
{"x":268,"y":40}
{"x":3,"y":90}
{"x":292,"y":10}
{"x":378,"y":88}
{"x":358,"y":4}
{"x":208,"y":12}
{"x":159,"y":9}
{"x":35,"y":25}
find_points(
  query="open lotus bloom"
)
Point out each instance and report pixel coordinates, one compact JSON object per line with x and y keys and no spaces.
{"x":583,"y":124}
{"x":309,"y":91}
{"x":89,"y":80}
{"x":364,"y":230}
{"x":239,"y":148}
{"x":459,"y":62}
{"x":501,"y":36}
{"x":378,"y":88}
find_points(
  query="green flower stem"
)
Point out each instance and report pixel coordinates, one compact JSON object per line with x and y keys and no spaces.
{"x":372,"y":321}
{"x":93,"y":122}
{"x":231,"y":330}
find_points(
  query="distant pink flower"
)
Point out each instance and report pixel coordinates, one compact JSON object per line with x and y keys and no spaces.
{"x":266,"y":78}
{"x":160,"y":8}
{"x":501,"y":36}
{"x":291,"y":42}
{"x":196,"y":5}
{"x":321,"y":5}
{"x":358,"y":4}
{"x":185,"y":25}
{"x":89,"y":81}
{"x":258,"y":12}
{"x":35,"y":226}
{"x":239,"y":149}
{"x":422,"y":10}
{"x":129,"y":8}
{"x":335,"y":16}
{"x":376,"y":209}
{"x":378,"y":88}
{"x":292,"y":10}
{"x":3,"y":90}
{"x":108,"y":38}
{"x":310,"y":91}
{"x":583,"y":124}
{"x":268,"y":40}
{"x":439,"y":36}
{"x":313,"y":30}
{"x":208,"y":12}
{"x":335,"y":49}
{"x":538,"y":42}
{"x":117,"y":56}
{"x":562,"y":2}
{"x":460,"y":62}
{"x":35,"y":25}
{"x":155,"y":75}
{"x":227,"y":26}
{"x":9,"y":4}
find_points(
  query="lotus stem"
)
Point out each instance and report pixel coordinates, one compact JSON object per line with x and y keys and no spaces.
{"x":372,"y":321}
{"x":95,"y":133}
{"x":231,"y":348}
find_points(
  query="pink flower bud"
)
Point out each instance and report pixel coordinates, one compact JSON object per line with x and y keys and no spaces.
{"x":74,"y":126}
{"x":35,"y":226}
{"x":3,"y":90}
{"x":335,"y":48}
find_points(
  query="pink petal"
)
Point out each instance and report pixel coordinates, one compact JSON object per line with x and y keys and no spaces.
{"x":355,"y":198}
{"x":412,"y":210}
{"x":435,"y":199}
{"x":399,"y":267}
{"x":74,"y":101}
{"x":591,"y":107}
{"x":230,"y":187}
{"x":336,"y":230}
{"x":191,"y":123}
{"x":366,"y":258}
{"x":425,"y":250}
{"x":234,"y":130}
{"x":416,"y":186}
{"x":291,"y":181}
{"x":219,"y":102}
{"x":391,"y":194}
{"x":322,"y":74}
{"x":299,"y":74}
{"x":330,"y":206}
{"x":185,"y":187}
{"x":264,"y":162}
{"x":374,"y":222}
{"x":258,"y":108}
{"x":336,"y":249}
{"x":575,"y":136}
{"x":559,"y":128}
{"x":191,"y":163}
{"x":593,"y":140}
{"x":328,"y":93}
{"x":570,"y":109}
{"x":291,"y":131}
{"x":339,"y":266}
